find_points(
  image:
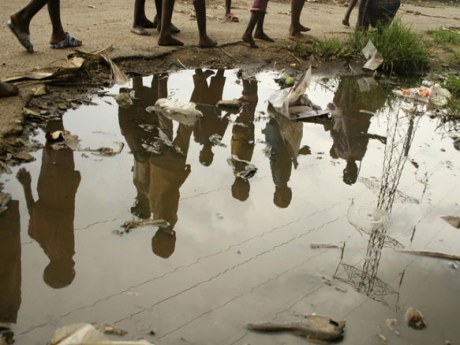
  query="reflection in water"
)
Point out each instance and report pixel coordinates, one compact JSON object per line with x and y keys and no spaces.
{"x":400,"y":134}
{"x":52,"y":215}
{"x":284,"y":137}
{"x":351,"y":123}
{"x":10,"y":268}
{"x":206,"y":97}
{"x":242,"y":144}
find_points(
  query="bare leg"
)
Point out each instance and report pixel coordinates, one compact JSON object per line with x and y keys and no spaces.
{"x":259,"y":33}
{"x":200,"y":10}
{"x":54,"y":10}
{"x":166,"y":38}
{"x":157,"y":21}
{"x":22,"y":18}
{"x":228,"y":7}
{"x":247,"y":36}
{"x":296,"y":28}
{"x":346,"y":18}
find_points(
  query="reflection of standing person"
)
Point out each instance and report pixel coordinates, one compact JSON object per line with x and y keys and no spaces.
{"x":281,"y":162}
{"x":242,"y":144}
{"x":211,"y":123}
{"x":52,"y":215}
{"x":10,"y":269}
{"x":351,"y":126}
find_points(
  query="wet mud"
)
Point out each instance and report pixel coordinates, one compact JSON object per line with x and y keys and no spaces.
{"x":242,"y":215}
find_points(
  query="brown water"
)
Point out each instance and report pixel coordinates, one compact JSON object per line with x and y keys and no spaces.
{"x":237,"y":250}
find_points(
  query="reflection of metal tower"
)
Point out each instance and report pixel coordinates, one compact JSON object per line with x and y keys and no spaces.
{"x":400,"y":133}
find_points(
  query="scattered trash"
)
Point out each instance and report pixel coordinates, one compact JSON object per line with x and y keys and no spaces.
{"x":85,"y":334}
{"x":373,"y":56}
{"x":436,"y":95}
{"x":109,"y":329}
{"x":293,"y":103}
{"x":133,"y":224}
{"x":431,"y":254}
{"x":454,"y":221}
{"x":315,"y":327}
{"x":414,"y":318}
{"x":40,"y":91}
{"x":248,"y":171}
{"x":216,"y":140}
{"x":321,"y":246}
{"x":184,"y":113}
{"x":382,"y":338}
{"x":125,"y":99}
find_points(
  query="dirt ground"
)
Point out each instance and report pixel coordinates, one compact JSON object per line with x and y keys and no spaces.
{"x":100,"y":24}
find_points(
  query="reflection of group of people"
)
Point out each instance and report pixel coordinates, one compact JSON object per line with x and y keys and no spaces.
{"x":160,"y":169}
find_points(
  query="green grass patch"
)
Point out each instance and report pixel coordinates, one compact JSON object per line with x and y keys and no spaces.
{"x":452,"y":84}
{"x":327,"y":49}
{"x":445,"y":37}
{"x":404,"y":52}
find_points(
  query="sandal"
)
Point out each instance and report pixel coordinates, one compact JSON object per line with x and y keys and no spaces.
{"x":68,"y":42}
{"x":22,"y":37}
{"x":231,"y":18}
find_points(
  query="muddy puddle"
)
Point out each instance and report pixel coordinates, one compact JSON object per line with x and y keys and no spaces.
{"x":249,"y":214}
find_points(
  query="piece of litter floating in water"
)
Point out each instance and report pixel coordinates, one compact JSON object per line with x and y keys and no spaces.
{"x":184,"y":113}
{"x":454,"y":221}
{"x":109,"y":329}
{"x":313,"y":327}
{"x":375,"y":58}
{"x":320,"y":246}
{"x":248,"y":172}
{"x":435,"y":94}
{"x":216,"y":140}
{"x":453,"y":265}
{"x":133,"y":224}
{"x":414,"y":318}
{"x":107,"y":151}
{"x":232,"y":105}
{"x":382,"y":338}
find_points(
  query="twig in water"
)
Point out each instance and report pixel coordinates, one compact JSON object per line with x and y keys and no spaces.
{"x":180,"y":63}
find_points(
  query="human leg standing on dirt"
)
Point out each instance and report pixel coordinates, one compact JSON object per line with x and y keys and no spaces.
{"x":166,"y":38}
{"x":140,"y":22}
{"x":229,"y":15}
{"x":296,"y":29}
{"x":19,"y":23}
{"x":346,"y":18}
{"x":258,"y":11}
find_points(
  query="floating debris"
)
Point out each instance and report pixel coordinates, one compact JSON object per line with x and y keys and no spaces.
{"x":454,"y":221}
{"x":133,"y":224}
{"x":373,"y":56}
{"x":315,"y":327}
{"x":414,"y":318}
{"x":173,"y":109}
{"x":216,"y":140}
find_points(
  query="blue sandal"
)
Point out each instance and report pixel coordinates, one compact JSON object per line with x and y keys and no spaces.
{"x":68,"y":42}
{"x":22,"y":37}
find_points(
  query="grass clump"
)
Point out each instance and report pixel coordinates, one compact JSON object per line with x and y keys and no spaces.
{"x":452,"y":83}
{"x":404,"y":52}
{"x":328,"y":48}
{"x":449,"y":41}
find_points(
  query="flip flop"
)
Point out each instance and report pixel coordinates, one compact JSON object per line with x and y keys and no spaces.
{"x":231,"y":18}
{"x":68,"y":42}
{"x":22,"y":37}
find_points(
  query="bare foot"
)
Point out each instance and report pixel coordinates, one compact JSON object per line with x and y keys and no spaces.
{"x":139,"y":30}
{"x":345,"y":22}
{"x":250,"y":40}
{"x":173,"y":29}
{"x":168,"y":40}
{"x":263,"y":36}
{"x":296,"y":36}
{"x":303,"y":28}
{"x":7,"y":90}
{"x":207,"y":42}
{"x":145,"y":23}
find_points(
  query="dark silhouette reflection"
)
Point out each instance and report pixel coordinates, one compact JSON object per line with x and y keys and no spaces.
{"x":284,"y":137}
{"x":160,"y":154}
{"x":10,"y":269}
{"x":242,"y":144}
{"x":52,"y":215}
{"x":351,"y":124}
{"x":211,"y":123}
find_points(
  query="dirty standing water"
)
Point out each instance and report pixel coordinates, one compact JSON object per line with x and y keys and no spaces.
{"x":267,"y":220}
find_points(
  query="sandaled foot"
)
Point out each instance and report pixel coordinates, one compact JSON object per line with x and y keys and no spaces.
{"x":263,"y":36}
{"x":231,"y":18}
{"x":7,"y":90}
{"x":248,"y":39}
{"x":138,"y":30}
{"x":345,"y":22}
{"x":303,"y":28}
{"x":23,"y":37}
{"x":68,"y":42}
{"x":207,"y":42}
{"x":168,"y":40}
